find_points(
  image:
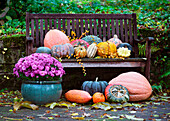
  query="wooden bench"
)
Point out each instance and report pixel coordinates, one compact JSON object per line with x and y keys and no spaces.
{"x":101,"y":25}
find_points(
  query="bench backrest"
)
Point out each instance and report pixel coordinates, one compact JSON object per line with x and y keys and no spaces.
{"x":101,"y":25}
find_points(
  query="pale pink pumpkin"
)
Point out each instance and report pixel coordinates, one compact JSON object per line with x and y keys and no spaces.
{"x":55,"y":37}
{"x":138,"y":86}
{"x":115,"y":40}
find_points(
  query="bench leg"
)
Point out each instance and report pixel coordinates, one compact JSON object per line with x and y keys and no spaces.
{"x":148,"y":56}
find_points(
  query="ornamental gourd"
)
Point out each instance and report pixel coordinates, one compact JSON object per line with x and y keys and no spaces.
{"x":92,"y":50}
{"x":60,"y":51}
{"x":79,"y":42}
{"x":92,"y":38}
{"x":78,"y":96}
{"x":80,"y":51}
{"x":94,"y":86}
{"x":138,"y":86}
{"x":116,"y":93}
{"x":123,"y":52}
{"x":105,"y":49}
{"x":55,"y":37}
{"x":43,"y":50}
{"x":115,"y":40}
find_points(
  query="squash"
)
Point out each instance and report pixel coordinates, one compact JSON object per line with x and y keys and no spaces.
{"x":43,"y":50}
{"x":60,"y":51}
{"x":138,"y":86}
{"x":92,"y":50}
{"x":115,"y":40}
{"x":123,"y":52}
{"x":91,"y":38}
{"x":116,"y":93}
{"x":79,"y":42}
{"x":80,"y":52}
{"x":94,"y":86}
{"x":125,"y":45}
{"x":55,"y":37}
{"x":98,"y":97}
{"x":105,"y":49}
{"x":78,"y":96}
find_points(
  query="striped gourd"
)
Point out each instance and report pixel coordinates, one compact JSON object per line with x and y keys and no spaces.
{"x":91,"y":50}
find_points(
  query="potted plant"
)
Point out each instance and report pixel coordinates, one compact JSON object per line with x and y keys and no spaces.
{"x":41,"y":76}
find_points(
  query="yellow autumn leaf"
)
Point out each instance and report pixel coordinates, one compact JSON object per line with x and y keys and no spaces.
{"x":74,"y":114}
{"x":78,"y":118}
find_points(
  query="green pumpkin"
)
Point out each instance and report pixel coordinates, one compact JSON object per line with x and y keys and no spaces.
{"x":116,"y":93}
{"x":43,"y":50}
{"x":94,"y":86}
{"x":60,"y":51}
{"x":125,"y":45}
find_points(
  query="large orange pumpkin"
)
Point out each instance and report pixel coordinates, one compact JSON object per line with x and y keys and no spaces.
{"x":105,"y":49}
{"x":55,"y":37}
{"x":138,"y":86}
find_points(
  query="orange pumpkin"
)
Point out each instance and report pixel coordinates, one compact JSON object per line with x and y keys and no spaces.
{"x":138,"y":86}
{"x":105,"y":49}
{"x":78,"y":96}
{"x":98,"y":97}
{"x":55,"y":37}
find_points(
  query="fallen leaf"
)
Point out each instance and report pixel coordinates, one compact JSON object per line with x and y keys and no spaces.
{"x":104,"y":106}
{"x":74,"y":114}
{"x":132,"y":117}
{"x":26,"y":104}
{"x":61,"y":104}
{"x":77,"y":118}
{"x":86,"y":115}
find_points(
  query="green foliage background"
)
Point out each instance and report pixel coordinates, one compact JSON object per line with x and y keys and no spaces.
{"x":152,"y":16}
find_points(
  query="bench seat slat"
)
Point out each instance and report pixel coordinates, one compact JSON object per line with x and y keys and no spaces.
{"x":132,"y":62}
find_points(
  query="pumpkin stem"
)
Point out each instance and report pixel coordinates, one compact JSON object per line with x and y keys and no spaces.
{"x":96,"y":79}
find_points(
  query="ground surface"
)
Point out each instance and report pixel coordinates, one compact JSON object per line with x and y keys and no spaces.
{"x":154,"y":109}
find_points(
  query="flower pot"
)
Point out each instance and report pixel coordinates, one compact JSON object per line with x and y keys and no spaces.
{"x":41,"y":92}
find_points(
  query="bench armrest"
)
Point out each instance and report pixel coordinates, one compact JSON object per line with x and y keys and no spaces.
{"x":149,"y":39}
{"x":29,"y":45}
{"x":29,"y":39}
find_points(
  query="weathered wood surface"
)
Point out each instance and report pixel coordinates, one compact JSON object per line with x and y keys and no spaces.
{"x":106,"y":62}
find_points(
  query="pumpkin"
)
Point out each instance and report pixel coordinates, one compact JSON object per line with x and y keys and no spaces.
{"x":60,"y":51}
{"x":125,"y":45}
{"x":94,"y":86}
{"x":55,"y":37}
{"x":123,"y":52}
{"x":105,"y":49}
{"x":116,"y":93}
{"x":98,"y":97}
{"x":91,"y":38}
{"x":43,"y":50}
{"x":138,"y":86}
{"x":115,"y":40}
{"x":80,"y":52}
{"x":78,"y":96}
{"x":92,"y":50}
{"x":79,"y":42}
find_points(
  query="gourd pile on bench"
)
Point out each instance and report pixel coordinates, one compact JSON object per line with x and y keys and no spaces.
{"x":58,"y":44}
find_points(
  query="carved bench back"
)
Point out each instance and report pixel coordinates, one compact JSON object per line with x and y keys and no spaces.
{"x":101,"y":25}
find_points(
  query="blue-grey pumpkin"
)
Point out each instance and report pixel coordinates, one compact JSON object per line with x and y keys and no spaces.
{"x":43,"y":50}
{"x":60,"y":51}
{"x":94,"y":86}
